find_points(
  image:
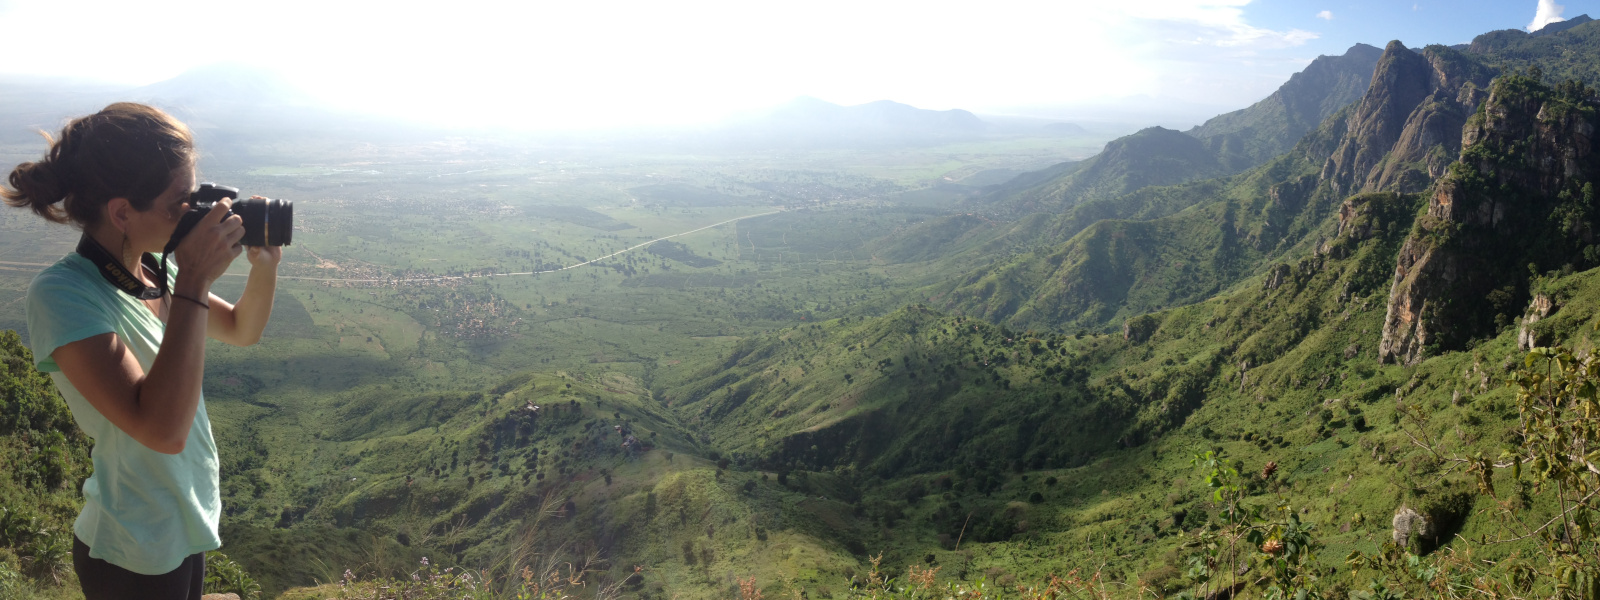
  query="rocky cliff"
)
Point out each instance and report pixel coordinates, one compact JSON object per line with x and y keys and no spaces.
{"x":1518,"y":200}
{"x":1406,"y":129}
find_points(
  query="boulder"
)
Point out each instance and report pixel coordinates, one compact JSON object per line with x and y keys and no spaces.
{"x":1409,"y":525}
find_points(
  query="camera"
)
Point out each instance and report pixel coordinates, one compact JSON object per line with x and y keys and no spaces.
{"x":267,"y":222}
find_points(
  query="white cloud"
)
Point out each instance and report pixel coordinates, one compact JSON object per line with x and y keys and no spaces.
{"x":1547,"y":13}
{"x":1326,"y":15}
{"x":1215,"y":22}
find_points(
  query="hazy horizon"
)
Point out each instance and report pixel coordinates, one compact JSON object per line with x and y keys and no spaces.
{"x":624,"y":64}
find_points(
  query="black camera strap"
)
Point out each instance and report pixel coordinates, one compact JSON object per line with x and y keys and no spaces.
{"x":111,"y":268}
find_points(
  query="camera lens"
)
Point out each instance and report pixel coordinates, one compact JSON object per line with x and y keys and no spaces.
{"x":266,"y":222}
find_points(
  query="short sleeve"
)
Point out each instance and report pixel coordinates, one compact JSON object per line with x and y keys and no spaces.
{"x":62,"y":310}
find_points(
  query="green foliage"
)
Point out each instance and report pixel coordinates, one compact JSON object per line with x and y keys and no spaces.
{"x":31,"y":401}
{"x":224,"y":576}
{"x":387,"y":424}
{"x":1269,"y":537}
{"x":43,"y":460}
{"x":1571,"y":54}
{"x":431,"y":582}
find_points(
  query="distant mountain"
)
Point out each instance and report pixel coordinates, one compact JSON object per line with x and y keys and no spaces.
{"x":810,"y":122}
{"x":1063,"y":129}
{"x":1561,"y":26}
{"x":1224,"y":145}
{"x":1249,"y":136}
{"x":225,"y":84}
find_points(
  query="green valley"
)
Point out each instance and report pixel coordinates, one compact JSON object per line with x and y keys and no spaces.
{"x":1338,"y":344}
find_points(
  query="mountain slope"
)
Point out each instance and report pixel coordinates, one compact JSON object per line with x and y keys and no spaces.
{"x":1084,"y":446}
{"x":1153,"y":156}
{"x":1407,"y":127}
{"x":1395,"y":139}
{"x":1227,"y":144}
{"x":1253,"y":135}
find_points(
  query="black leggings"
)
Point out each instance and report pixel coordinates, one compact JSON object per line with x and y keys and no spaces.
{"x":104,"y":581}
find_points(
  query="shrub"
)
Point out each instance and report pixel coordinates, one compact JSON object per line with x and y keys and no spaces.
{"x":224,"y":576}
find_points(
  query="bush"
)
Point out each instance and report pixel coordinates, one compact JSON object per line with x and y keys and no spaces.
{"x":224,"y":576}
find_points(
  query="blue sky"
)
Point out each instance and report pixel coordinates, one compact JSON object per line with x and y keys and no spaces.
{"x":1414,"y":22}
{"x":564,"y":64}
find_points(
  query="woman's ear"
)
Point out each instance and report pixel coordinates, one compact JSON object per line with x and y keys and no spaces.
{"x":118,"y":212}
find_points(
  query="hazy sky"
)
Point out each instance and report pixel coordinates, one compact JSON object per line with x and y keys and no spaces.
{"x":574,"y":64}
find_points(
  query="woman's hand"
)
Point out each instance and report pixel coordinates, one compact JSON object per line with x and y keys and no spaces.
{"x":266,"y":257}
{"x":204,"y":254}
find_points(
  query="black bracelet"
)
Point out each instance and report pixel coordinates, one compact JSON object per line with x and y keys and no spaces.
{"x":202,"y":304}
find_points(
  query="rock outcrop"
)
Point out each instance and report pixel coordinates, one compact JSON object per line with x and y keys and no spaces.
{"x":1528,"y":337}
{"x":1518,"y":195}
{"x":1140,"y":328}
{"x":1408,"y":523}
{"x":1406,"y":129}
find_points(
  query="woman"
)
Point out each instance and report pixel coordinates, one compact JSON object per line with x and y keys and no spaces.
{"x":128,"y":354}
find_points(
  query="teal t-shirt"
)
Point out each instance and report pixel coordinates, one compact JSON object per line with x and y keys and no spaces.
{"x":143,"y":510}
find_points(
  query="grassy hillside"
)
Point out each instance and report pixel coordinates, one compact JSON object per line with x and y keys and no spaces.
{"x":1162,"y":247}
{"x":1153,"y":156}
{"x":44,"y":457}
{"x":1282,"y":371}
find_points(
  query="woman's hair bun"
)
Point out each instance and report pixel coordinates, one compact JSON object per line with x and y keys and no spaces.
{"x":38,"y":186}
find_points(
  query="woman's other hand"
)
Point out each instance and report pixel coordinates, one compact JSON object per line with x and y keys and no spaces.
{"x":264,"y":256}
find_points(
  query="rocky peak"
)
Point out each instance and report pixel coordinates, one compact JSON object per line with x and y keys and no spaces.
{"x":1517,"y":195}
{"x":1406,"y":129}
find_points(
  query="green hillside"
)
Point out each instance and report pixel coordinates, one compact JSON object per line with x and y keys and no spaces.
{"x":1283,"y":369}
{"x":1337,"y":345}
{"x":1153,"y":156}
{"x":1164,"y":247}
{"x":44,"y":457}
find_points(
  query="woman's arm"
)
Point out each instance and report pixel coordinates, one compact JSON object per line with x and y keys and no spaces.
{"x":242,"y":324}
{"x":158,"y":408}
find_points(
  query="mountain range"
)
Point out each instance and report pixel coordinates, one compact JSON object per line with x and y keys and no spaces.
{"x":1287,"y":353}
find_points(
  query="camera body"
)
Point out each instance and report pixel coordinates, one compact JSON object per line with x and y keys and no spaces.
{"x":267,"y":222}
